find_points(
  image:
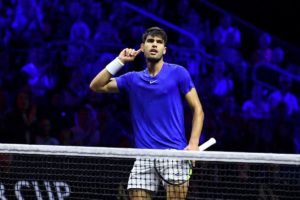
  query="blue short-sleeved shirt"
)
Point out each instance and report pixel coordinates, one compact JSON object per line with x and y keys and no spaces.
{"x":156,"y":106}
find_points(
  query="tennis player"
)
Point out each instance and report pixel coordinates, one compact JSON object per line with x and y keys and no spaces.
{"x":156,"y":97}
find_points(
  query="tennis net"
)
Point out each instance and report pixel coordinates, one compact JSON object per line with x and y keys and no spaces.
{"x":71,"y":172}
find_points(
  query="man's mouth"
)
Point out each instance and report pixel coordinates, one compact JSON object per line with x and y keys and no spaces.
{"x":153,"y":51}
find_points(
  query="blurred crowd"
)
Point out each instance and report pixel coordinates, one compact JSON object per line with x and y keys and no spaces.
{"x":51,"y":50}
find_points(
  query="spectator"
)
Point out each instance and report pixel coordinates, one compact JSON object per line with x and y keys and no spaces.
{"x":256,"y":114}
{"x":39,"y":75}
{"x":194,"y":25}
{"x":64,"y":16}
{"x":257,"y":107}
{"x":92,"y":69}
{"x":57,"y":111}
{"x":4,"y":102}
{"x":43,"y":134}
{"x":65,"y":135}
{"x":86,"y":129}
{"x":20,"y":120}
{"x":227,"y":41}
{"x":181,"y":8}
{"x":297,"y":132}
{"x":156,"y":7}
{"x":75,"y":91}
{"x":293,"y":69}
{"x":284,"y":95}
{"x":222,"y":84}
{"x":94,"y":14}
{"x":229,"y":117}
{"x":5,"y":32}
{"x":79,"y":45}
{"x":28,"y":20}
{"x":277,"y":57}
{"x":4,"y":108}
{"x":282,"y":128}
{"x":80,"y":32}
{"x":110,"y":126}
{"x":225,"y":34}
{"x":263,"y":54}
{"x":105,"y":35}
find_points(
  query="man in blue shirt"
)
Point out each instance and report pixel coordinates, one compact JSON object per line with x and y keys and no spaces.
{"x":155,"y":96}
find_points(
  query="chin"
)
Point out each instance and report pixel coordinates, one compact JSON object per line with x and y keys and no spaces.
{"x":153,"y":59}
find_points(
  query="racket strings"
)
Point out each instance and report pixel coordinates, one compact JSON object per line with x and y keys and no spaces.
{"x":174,"y":172}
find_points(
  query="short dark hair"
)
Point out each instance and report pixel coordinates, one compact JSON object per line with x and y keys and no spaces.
{"x":155,"y":31}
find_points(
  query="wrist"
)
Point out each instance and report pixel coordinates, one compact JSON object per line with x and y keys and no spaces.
{"x":121,"y":61}
{"x":114,"y":66}
{"x":194,"y":142}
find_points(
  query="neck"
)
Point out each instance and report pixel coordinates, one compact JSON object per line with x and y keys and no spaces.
{"x":154,"y":67}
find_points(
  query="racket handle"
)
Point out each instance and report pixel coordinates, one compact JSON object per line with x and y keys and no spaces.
{"x":207,"y":144}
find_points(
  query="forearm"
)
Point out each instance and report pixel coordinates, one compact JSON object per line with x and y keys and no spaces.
{"x":197,"y":125}
{"x":103,"y":77}
{"x":103,"y":82}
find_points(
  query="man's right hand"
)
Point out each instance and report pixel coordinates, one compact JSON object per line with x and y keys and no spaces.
{"x":128,"y":55}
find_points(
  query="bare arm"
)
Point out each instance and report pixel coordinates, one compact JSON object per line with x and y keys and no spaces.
{"x":198,"y":118}
{"x":103,"y":81}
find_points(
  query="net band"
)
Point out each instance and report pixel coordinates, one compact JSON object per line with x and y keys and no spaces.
{"x":243,"y":157}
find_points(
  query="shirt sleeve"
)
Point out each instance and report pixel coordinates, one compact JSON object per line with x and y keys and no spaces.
{"x":185,"y":80}
{"x":124,"y":81}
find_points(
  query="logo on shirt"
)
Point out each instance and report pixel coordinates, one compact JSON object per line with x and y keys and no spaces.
{"x":151,"y":82}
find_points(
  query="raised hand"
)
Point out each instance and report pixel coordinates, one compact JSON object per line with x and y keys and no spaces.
{"x":128,"y":55}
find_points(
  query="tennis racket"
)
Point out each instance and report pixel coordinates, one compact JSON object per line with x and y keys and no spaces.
{"x":177,"y":172}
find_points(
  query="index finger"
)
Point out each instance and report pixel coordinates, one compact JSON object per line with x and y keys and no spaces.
{"x":138,"y":51}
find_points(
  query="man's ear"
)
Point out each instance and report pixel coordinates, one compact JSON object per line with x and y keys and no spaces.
{"x":165,"y":51}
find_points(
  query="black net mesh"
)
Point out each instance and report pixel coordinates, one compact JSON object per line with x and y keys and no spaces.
{"x":28,"y":176}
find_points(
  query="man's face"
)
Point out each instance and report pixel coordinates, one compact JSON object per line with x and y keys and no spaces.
{"x":153,"y":48}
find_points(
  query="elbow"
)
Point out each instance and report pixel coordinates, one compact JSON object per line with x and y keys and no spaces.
{"x":199,"y":111}
{"x":201,"y":114}
{"x":92,"y":87}
{"x":96,"y":88}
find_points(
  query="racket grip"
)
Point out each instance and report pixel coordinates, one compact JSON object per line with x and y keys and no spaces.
{"x":207,"y":144}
